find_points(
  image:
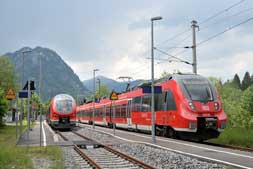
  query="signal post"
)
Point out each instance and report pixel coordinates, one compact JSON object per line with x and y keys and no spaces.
{"x":113,"y":97}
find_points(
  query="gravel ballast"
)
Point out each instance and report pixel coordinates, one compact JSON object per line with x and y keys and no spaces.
{"x":160,"y":158}
{"x":157,"y":157}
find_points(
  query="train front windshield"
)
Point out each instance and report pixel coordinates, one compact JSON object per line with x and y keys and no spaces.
{"x":64,"y":103}
{"x":199,"y":90}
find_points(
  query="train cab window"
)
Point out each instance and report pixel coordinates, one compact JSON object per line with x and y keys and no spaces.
{"x":199,"y":90}
{"x":171,"y":105}
{"x":146,"y":103}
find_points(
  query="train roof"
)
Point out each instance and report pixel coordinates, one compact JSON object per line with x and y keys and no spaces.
{"x":181,"y":76}
{"x":137,"y":89}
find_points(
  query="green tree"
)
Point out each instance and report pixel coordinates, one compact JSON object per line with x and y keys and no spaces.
{"x":164,"y":74}
{"x":246,"y":82}
{"x":216,"y":82}
{"x":104,"y":91}
{"x":3,"y":106}
{"x":247,"y":100}
{"x":236,"y":81}
{"x":7,"y":75}
{"x":36,"y":99}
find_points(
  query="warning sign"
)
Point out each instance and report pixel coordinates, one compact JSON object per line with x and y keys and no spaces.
{"x":10,"y":94}
{"x":114,"y":96}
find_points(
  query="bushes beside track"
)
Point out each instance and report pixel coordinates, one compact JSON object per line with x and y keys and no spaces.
{"x":237,"y":102}
{"x":240,"y":137}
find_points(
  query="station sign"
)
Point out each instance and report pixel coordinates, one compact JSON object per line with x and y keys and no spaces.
{"x":23,"y":94}
{"x":147,"y":89}
{"x":10,"y":95}
{"x":114,"y":96}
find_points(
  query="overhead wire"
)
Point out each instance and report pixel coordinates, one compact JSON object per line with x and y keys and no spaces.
{"x":222,"y":32}
{"x":221,"y":12}
{"x":231,"y":16}
{"x":200,"y":43}
{"x":203,"y":22}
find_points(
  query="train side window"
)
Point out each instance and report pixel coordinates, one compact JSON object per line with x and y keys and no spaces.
{"x":171,"y":105}
{"x":146,"y":103}
{"x":108,"y":111}
{"x":117,"y":111}
{"x":123,"y":110}
{"x":160,"y":101}
{"x":136,"y":104}
{"x":129,"y":108}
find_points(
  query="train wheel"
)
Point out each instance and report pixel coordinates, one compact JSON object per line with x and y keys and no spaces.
{"x":171,"y":133}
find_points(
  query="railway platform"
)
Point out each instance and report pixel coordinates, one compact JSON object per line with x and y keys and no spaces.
{"x":47,"y":137}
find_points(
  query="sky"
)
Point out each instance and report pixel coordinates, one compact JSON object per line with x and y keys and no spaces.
{"x":114,"y":36}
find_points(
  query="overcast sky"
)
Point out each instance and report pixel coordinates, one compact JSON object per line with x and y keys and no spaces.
{"x":114,"y":36}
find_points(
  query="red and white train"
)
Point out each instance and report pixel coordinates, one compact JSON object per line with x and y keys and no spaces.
{"x":189,"y":107}
{"x":61,"y":113}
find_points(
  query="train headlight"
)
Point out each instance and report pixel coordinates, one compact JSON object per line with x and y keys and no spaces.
{"x":216,"y":106}
{"x":192,"y":106}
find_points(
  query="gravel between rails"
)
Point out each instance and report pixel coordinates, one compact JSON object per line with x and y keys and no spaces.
{"x":159,"y":158}
{"x":72,"y":160}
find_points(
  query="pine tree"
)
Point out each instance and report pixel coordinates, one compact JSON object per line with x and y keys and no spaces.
{"x":246,"y":81}
{"x":236,"y":81}
{"x":251,"y":79}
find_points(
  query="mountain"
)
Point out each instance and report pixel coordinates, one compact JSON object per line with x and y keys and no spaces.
{"x":111,"y":84}
{"x":57,"y":76}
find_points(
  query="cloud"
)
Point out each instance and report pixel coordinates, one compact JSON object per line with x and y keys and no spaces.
{"x":224,"y":67}
{"x":115,"y":36}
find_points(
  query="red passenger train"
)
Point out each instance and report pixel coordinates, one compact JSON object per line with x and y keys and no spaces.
{"x":189,"y":108}
{"x":61,"y":112}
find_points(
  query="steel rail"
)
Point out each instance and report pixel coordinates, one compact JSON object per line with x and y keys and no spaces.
{"x":88,"y":159}
{"x":81,"y":153}
{"x":122,"y":155}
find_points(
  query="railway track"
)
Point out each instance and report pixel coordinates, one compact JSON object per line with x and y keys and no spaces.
{"x":199,"y":142}
{"x":104,"y":156}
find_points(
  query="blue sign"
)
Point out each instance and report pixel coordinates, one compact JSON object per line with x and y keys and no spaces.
{"x":23,"y":94}
{"x":97,"y":100}
{"x":147,"y":89}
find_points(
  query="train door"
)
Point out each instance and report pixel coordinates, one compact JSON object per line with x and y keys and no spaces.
{"x":128,"y":115}
{"x":104,"y":115}
{"x":111,"y":113}
{"x":171,"y":107}
{"x":165,"y":113}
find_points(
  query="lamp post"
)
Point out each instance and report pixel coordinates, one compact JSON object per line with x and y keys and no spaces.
{"x":152,"y":78}
{"x":99,"y":83}
{"x":94,"y":93}
{"x":40,"y":82}
{"x":22,"y":85}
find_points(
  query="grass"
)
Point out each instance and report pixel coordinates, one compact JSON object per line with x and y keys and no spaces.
{"x":12,"y":156}
{"x":240,"y":137}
